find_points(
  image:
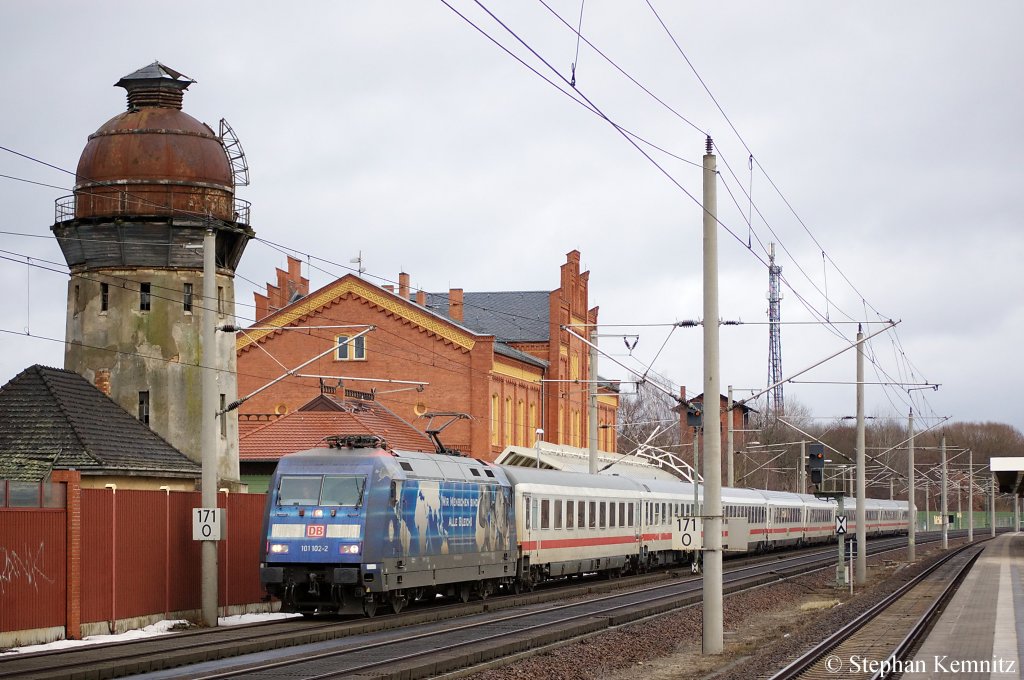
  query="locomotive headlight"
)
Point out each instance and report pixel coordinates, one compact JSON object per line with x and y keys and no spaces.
{"x":318,"y":513}
{"x":350,"y":549}
{"x":279,"y":548}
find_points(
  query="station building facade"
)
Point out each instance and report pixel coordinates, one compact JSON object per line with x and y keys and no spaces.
{"x":502,"y":358}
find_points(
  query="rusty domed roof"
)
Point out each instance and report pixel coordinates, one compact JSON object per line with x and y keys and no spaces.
{"x":154,"y":159}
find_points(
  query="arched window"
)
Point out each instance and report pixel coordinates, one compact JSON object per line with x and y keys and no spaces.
{"x":522,"y":439}
{"x":508,"y":421}
{"x":495,"y":421}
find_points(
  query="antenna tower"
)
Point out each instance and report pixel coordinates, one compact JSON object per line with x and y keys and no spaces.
{"x":776,"y":404}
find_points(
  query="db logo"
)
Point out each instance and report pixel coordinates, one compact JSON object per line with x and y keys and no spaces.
{"x":316,"y":530}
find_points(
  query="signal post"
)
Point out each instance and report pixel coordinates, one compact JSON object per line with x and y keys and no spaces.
{"x":815,"y":466}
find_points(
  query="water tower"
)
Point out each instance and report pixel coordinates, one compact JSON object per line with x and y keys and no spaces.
{"x":150,"y":182}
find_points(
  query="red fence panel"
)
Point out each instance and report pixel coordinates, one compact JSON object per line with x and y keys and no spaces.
{"x":139,"y":566}
{"x":33,"y":567}
{"x":137,"y":557}
{"x":186,"y":570}
{"x":240,"y":553}
{"x":98,"y":523}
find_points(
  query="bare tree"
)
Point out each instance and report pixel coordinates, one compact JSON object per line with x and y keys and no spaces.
{"x":647,"y":417}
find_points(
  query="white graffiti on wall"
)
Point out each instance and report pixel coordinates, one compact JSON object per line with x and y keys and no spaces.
{"x":26,"y":567}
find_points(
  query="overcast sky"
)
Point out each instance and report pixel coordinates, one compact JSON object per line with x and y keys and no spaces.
{"x":892,"y":132}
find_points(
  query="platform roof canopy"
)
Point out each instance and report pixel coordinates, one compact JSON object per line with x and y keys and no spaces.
{"x":572,"y":459}
{"x":1009,"y":474}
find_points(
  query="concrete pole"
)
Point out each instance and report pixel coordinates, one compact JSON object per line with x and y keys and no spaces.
{"x":208,"y":422}
{"x":802,"y":469}
{"x":992,"y":506}
{"x":890,"y":489}
{"x":943,"y":504}
{"x":729,"y":463}
{"x":911,"y":492}
{"x":861,"y":568}
{"x":970,"y":496}
{"x":592,"y":391}
{"x":714,"y":630}
{"x":1016,"y":513}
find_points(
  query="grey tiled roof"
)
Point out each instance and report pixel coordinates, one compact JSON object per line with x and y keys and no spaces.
{"x":502,"y":348}
{"x":55,"y":419}
{"x":510,"y":316}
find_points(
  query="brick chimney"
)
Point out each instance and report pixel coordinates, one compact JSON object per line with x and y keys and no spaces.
{"x":421,"y":298}
{"x":103,"y":380}
{"x":403,"y":285}
{"x":455,"y":311}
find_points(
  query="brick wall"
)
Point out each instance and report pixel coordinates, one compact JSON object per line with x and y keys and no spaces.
{"x":499,"y":400}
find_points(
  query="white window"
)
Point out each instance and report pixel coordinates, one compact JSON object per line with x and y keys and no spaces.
{"x":351,"y":349}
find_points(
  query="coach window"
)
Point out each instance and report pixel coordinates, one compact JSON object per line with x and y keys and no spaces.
{"x":604,"y":514}
{"x":611,"y":514}
{"x":622,"y":514}
{"x":593,"y":514}
{"x":664,"y":513}
{"x":558,"y":513}
{"x":570,"y":514}
{"x":631,"y":517}
{"x":545,"y":514}
{"x":581,"y":514}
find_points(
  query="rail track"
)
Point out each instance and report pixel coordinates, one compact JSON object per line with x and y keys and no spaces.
{"x":875,"y":644}
{"x":483,"y":631}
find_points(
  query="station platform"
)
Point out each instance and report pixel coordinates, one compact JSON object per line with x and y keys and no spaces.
{"x":981,"y":633}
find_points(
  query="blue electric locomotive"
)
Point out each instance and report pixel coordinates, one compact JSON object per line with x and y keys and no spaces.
{"x":358,"y":525}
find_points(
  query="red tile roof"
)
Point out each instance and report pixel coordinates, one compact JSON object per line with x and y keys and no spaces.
{"x":300,"y":430}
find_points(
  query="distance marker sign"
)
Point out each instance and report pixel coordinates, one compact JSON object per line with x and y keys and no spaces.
{"x":207,"y":524}
{"x":840,"y":524}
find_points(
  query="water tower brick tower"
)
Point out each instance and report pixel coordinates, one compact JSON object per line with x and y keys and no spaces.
{"x":150,"y":182}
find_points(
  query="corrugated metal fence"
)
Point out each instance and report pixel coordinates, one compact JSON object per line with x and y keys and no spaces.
{"x":137,"y":558}
{"x":32,"y":568}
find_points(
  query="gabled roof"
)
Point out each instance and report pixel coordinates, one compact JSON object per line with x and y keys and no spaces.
{"x":510,"y":316}
{"x":327,"y":416}
{"x":55,"y":419}
{"x":428,"y":319}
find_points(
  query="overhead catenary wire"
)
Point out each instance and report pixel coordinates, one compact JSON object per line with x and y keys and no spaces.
{"x":578,"y":47}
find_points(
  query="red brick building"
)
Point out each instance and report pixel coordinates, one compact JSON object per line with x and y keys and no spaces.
{"x":500,"y":357}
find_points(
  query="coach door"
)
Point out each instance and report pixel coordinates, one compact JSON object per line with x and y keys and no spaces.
{"x":531,"y":534}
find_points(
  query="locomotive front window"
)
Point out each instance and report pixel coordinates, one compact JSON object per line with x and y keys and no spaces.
{"x":343,"y":490}
{"x":296,"y":490}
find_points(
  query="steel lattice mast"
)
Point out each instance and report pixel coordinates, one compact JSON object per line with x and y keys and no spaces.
{"x":776,"y":404}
